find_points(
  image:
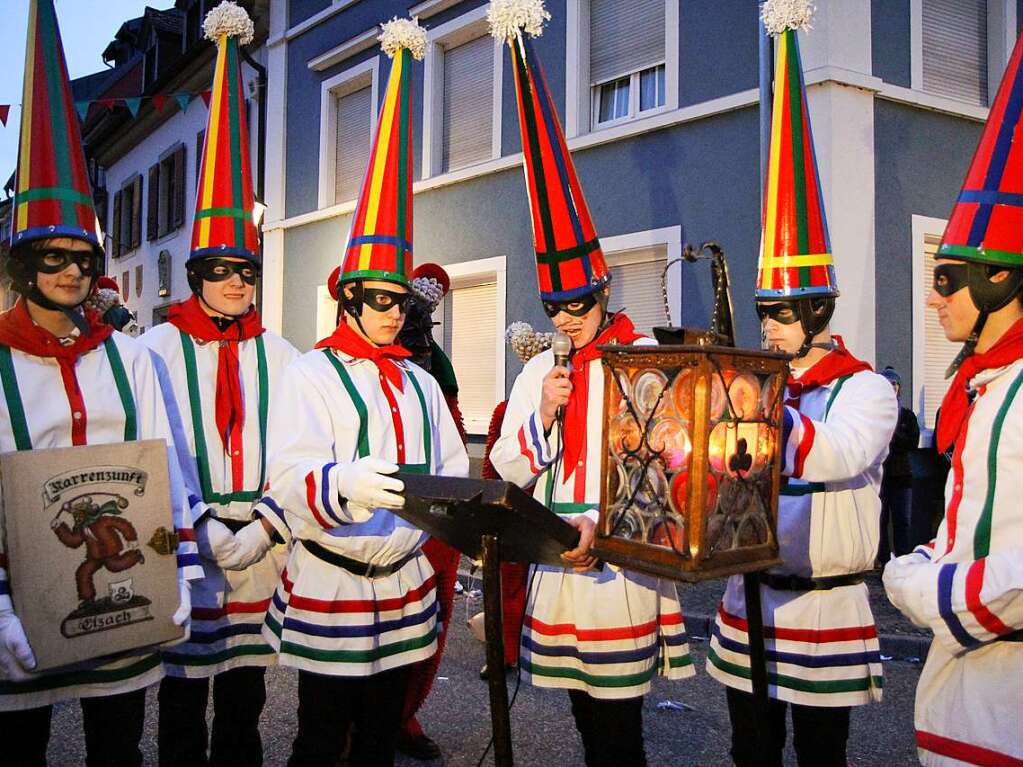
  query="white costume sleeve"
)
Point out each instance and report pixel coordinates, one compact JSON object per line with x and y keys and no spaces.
{"x":854,"y":435}
{"x":302,"y":468}
{"x":523,"y":451}
{"x":964,"y":603}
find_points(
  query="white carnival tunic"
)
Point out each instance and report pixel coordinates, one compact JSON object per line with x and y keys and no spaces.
{"x":118,"y":397}
{"x":333,"y":410}
{"x":228,"y":606}
{"x":822,"y":647}
{"x":967,"y":587}
{"x":606,"y":633}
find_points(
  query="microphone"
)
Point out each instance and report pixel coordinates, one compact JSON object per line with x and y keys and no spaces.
{"x":562,"y":348}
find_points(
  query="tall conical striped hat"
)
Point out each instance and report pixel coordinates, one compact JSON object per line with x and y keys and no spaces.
{"x":52,"y":194}
{"x":569,"y":261}
{"x":224,"y":203}
{"x":986,"y":224}
{"x":795,"y":249}
{"x":379,"y":243}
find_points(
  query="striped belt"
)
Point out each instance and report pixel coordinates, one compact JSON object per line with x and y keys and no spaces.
{"x":798,"y":583}
{"x":354,"y":566}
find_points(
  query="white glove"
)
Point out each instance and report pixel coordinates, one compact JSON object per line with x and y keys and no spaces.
{"x":184,"y":611}
{"x":365,"y":483}
{"x":16,"y":656}
{"x":233,"y":551}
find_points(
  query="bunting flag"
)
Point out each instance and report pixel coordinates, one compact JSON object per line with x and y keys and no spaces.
{"x":5,"y":112}
{"x":183,"y":99}
{"x":379,"y":243}
{"x":52,"y":195}
{"x":224,"y":224}
{"x":986,"y":224}
{"x":158,"y":102}
{"x":569,"y":260}
{"x":133,"y":104}
{"x":795,"y":249}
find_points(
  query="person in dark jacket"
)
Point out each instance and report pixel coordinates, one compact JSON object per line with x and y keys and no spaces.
{"x":897,"y":482}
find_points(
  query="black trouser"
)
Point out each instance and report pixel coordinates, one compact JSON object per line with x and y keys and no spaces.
{"x":238,"y":698}
{"x":611,"y":730}
{"x":897,"y":510}
{"x":112,"y":724}
{"x":819,"y":733}
{"x":328,"y":706}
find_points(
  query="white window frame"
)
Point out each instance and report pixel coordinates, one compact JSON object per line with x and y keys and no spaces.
{"x":466,"y":27}
{"x":921,"y":226}
{"x":352,"y":79}
{"x":1001,"y":37}
{"x":466,"y":274}
{"x":326,"y":312}
{"x":579,"y":102}
{"x":623,"y":249}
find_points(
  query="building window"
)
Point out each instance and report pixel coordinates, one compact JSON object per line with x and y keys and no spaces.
{"x":347,"y":120}
{"x":932,"y":352}
{"x":462,"y":101}
{"x":954,"y":49}
{"x":351,"y":153}
{"x":623,"y":61}
{"x":472,"y":322}
{"x":166,"y":199}
{"x":627,"y":61}
{"x":126,"y":219}
{"x":637,"y":262}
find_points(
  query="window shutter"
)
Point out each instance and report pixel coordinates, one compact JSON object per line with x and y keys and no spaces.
{"x":625,"y":37}
{"x":954,"y":34}
{"x":178,"y":198}
{"x":636,"y":288}
{"x":153,"y":203}
{"x":136,"y":210}
{"x":471,"y":338}
{"x":468,"y":103}
{"x":126,"y":217}
{"x":938,"y":350}
{"x":200,"y":143}
{"x":351,"y":152}
{"x":115,"y":227}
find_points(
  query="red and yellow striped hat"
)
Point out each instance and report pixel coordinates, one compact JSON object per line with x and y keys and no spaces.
{"x":795,"y":249}
{"x":224,"y":203}
{"x":379,"y":243}
{"x":52,"y":195}
{"x":569,"y":261}
{"x":986,"y":224}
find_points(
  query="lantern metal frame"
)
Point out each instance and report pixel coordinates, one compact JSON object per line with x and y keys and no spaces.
{"x":693,"y":560}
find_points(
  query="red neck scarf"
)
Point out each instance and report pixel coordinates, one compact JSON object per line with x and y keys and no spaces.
{"x":346,"y":340}
{"x":954,"y":407}
{"x":620,"y":331}
{"x":189,"y":317}
{"x":837,"y":363}
{"x":18,"y":331}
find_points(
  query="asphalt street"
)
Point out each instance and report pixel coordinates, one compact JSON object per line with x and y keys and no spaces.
{"x":692,"y":731}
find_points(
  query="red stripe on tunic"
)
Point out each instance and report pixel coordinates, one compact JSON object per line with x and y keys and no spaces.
{"x":805,"y":445}
{"x":79,"y":418}
{"x":957,"y":484}
{"x":231,"y":608}
{"x":354,"y":605}
{"x":591,"y":635}
{"x":186,"y":534}
{"x":525,"y":450}
{"x":310,"y":499}
{"x":672,"y":619}
{"x":810,"y":636}
{"x":974,"y":584}
{"x":399,"y":428}
{"x":964,"y":752}
{"x":237,"y":444}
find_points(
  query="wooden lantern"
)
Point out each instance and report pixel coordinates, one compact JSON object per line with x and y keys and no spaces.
{"x":691,"y":459}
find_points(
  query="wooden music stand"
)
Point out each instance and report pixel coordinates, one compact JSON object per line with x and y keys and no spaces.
{"x":493,"y":521}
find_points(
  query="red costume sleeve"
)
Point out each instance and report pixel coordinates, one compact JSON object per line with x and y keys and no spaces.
{"x":496,"y":420}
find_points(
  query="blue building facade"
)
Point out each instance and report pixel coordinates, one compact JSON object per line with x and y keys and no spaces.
{"x":660,"y":106}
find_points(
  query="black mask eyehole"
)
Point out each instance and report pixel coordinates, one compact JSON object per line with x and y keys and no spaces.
{"x":577,"y":307}
{"x":784,"y":313}
{"x":56,"y":260}
{"x":380,"y":300}
{"x":220,"y":269}
{"x":950,"y":278}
